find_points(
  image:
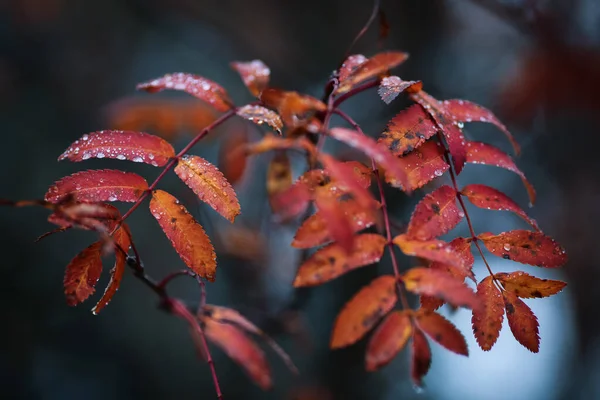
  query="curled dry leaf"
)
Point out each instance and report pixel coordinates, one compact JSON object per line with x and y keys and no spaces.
{"x":200,"y":87}
{"x":209,"y":184}
{"x":98,"y":185}
{"x":373,"y":67}
{"x":533,"y":248}
{"x":442,"y":331}
{"x":421,"y":280}
{"x":185,"y":234}
{"x":389,"y":339}
{"x":408,"y":130}
{"x":261,"y":115}
{"x":527,"y":286}
{"x":391,"y":86}
{"x":421,"y":166}
{"x":82,"y":274}
{"x":120,"y":145}
{"x":332,"y":261}
{"x":435,"y":215}
{"x":363,"y":311}
{"x":255,"y":75}
{"x":487,"y":319}
{"x":522,"y":322}
{"x":434,"y":250}
{"x":294,"y":108}
{"x":421,"y":357}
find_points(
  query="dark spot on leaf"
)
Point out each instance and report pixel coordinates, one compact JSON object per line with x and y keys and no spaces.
{"x":173,"y":220}
{"x":435,"y":208}
{"x":510,"y":309}
{"x":536,"y":293}
{"x":506,"y":256}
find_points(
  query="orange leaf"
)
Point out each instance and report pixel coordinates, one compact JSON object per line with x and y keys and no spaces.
{"x":442,"y":331}
{"x":527,"y":286}
{"x":255,"y":75}
{"x":337,"y":222}
{"x":421,"y":166}
{"x":487,"y":319}
{"x":82,"y":274}
{"x":408,"y":130}
{"x":202,"y":88}
{"x":319,"y":179}
{"x":373,"y":67}
{"x":345,"y":175}
{"x":232,"y":156}
{"x":363,"y":311}
{"x":186,"y":235}
{"x":440,"y":284}
{"x":332,"y":261}
{"x":241,"y":349}
{"x":486,"y":197}
{"x":421,"y":357}
{"x":389,"y":339}
{"x":98,"y":185}
{"x":435,"y":215}
{"x":533,"y":248}
{"x":292,"y":106}
{"x":100,"y":217}
{"x":261,"y":115}
{"x":350,"y":65}
{"x":271,"y":142}
{"x":435,"y":250}
{"x":209,"y":184}
{"x":522,"y":321}
{"x":121,"y":145}
{"x":391,"y":86}
{"x":482,"y":153}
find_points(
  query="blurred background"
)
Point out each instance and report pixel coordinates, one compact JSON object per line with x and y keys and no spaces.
{"x":70,"y":67}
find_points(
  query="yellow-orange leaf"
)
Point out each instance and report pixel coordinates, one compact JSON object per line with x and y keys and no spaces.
{"x":261,"y":115}
{"x":487,"y":319}
{"x":363,"y":311}
{"x":440,"y":284}
{"x":279,"y":177}
{"x":371,"y":68}
{"x":421,"y":357}
{"x":442,"y":331}
{"x":332,"y":261}
{"x":186,"y":235}
{"x":388,"y":339}
{"x":82,"y":274}
{"x":292,"y":106}
{"x":434,"y":250}
{"x":522,"y":321}
{"x":255,"y":75}
{"x":209,"y":184}
{"x":527,"y":286}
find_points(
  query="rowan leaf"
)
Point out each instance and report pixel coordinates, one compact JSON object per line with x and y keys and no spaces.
{"x":279,"y":175}
{"x":209,"y":184}
{"x":346,"y":176}
{"x":199,"y":87}
{"x":350,"y":65}
{"x":486,"y":197}
{"x":292,"y":106}
{"x":421,"y":280}
{"x":255,"y":74}
{"x":241,"y":349}
{"x":120,"y":145}
{"x":435,"y":215}
{"x":442,"y":331}
{"x":332,"y":261}
{"x":271,"y":142}
{"x":389,"y":339}
{"x":319,"y":180}
{"x":421,"y":166}
{"x":185,"y":234}
{"x":98,"y":185}
{"x":261,"y":115}
{"x":290,"y":202}
{"x":527,"y":286}
{"x":391,"y":86}
{"x":82,"y":274}
{"x":526,"y":247}
{"x":99,"y":217}
{"x":371,"y":68}
{"x":434,"y":250}
{"x":522,"y":322}
{"x":487,"y":319}
{"x":421,"y":357}
{"x":408,"y":130}
{"x":232,"y":156}
{"x":482,"y":153}
{"x":337,"y":222}
{"x":363,"y":311}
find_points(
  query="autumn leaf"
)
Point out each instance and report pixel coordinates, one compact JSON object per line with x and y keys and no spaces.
{"x":492,"y":199}
{"x":435,"y":215}
{"x":533,"y":248}
{"x":527,"y":286}
{"x":202,"y":88}
{"x":120,"y":145}
{"x":290,"y":202}
{"x":232,"y":156}
{"x":261,"y":115}
{"x":209,"y":184}
{"x":82,"y":274}
{"x":255,"y":74}
{"x":100,"y":217}
{"x":421,"y":166}
{"x":319,"y":180}
{"x":337,"y":222}
{"x":442,"y":331}
{"x":408,"y":130}
{"x":332,"y":261}
{"x":186,"y":235}
{"x":522,"y":322}
{"x":434,"y":250}
{"x":346,"y":175}
{"x":350,"y":65}
{"x":482,"y":153}
{"x":371,"y":68}
{"x":391,"y":86}
{"x":98,"y":185}
{"x":271,"y":142}
{"x":487,"y":319}
{"x":421,"y":280}
{"x":421,"y":357}
{"x":362,"y":312}
{"x":279,"y":176}
{"x":389,"y":339}
{"x":293,"y":107}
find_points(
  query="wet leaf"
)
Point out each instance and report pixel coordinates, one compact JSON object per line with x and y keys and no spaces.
{"x":487,"y":320}
{"x":421,"y":357}
{"x":350,"y":65}
{"x":421,"y":166}
{"x":442,"y":331}
{"x":371,"y":68}
{"x":527,"y":286}
{"x":345,"y":175}
{"x":290,"y":202}
{"x":389,"y":339}
{"x":337,"y":222}
{"x":82,"y":274}
{"x":421,"y":280}
{"x":293,"y":107}
{"x":261,"y":115}
{"x":434,"y":250}
{"x":391,"y":86}
{"x":255,"y":75}
{"x":522,"y":322}
{"x":435,"y":215}
{"x":408,"y":130}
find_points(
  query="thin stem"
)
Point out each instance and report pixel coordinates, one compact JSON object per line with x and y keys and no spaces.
{"x":376,"y":8}
{"x":361,"y":88}
{"x":167,"y":279}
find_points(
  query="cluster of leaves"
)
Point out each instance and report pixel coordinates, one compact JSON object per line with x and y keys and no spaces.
{"x":420,"y":144}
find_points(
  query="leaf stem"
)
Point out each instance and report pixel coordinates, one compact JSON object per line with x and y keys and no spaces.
{"x":356,"y":90}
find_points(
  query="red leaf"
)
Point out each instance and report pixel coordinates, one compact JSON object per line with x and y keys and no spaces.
{"x":482,"y":153}
{"x":202,"y":88}
{"x":241,"y":349}
{"x":292,"y":106}
{"x":186,"y":235}
{"x":388,"y":339}
{"x":391,"y":86}
{"x":291,"y":202}
{"x":533,"y":248}
{"x":98,"y":185}
{"x":434,"y":250}
{"x":99,"y":217}
{"x":440,"y":284}
{"x":527,"y":286}
{"x":345,"y":175}
{"x":373,"y":67}
{"x":209,"y":184}
{"x":421,"y":166}
{"x":442,"y":331}
{"x":435,"y":215}
{"x":121,"y":145}
{"x":332,"y":261}
{"x":487,"y":320}
{"x":362,"y":312}
{"x":232,"y":156}
{"x":522,"y":321}
{"x":82,"y":274}
{"x":486,"y":197}
{"x":408,"y":130}
{"x":421,"y":357}
{"x":255,"y":75}
{"x":350,"y":65}
{"x":337,"y":222}
{"x":261,"y":115}
{"x":318,"y":180}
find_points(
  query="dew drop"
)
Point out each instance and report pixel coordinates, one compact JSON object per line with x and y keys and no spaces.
{"x":137,"y":159}
{"x":506,"y":246}
{"x":121,"y":157}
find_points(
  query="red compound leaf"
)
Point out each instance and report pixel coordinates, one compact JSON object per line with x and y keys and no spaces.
{"x":371,"y":68}
{"x":522,"y":322}
{"x":388,"y":339}
{"x":487,"y":319}
{"x":442,"y":331}
{"x":440,"y":284}
{"x":527,"y":286}
{"x":82,"y":274}
{"x":435,"y":215}
{"x":255,"y":75}
{"x":408,"y":130}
